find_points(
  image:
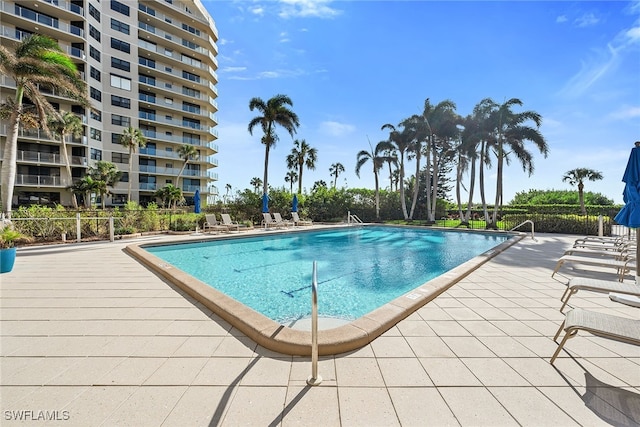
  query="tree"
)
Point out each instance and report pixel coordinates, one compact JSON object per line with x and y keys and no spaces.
{"x":377,"y":158}
{"x":291,"y":177}
{"x":335,"y":170}
{"x":36,"y":61}
{"x":255,"y":183}
{"x":227,"y":187}
{"x":510,"y":133}
{"x":132,"y":138}
{"x":62,"y":126}
{"x":84,"y":187}
{"x":302,"y":154}
{"x":169,"y":195}
{"x":401,"y":142}
{"x":186,"y":152}
{"x":274,"y":112}
{"x":577,"y":177}
{"x":105,"y":174}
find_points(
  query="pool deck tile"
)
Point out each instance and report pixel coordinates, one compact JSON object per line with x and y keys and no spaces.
{"x":89,"y":330}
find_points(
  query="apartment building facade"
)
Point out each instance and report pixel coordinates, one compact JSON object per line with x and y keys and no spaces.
{"x":147,"y":64}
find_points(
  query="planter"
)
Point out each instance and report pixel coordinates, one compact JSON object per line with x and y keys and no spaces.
{"x":7,"y":258}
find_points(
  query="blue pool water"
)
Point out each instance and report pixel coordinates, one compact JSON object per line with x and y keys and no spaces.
{"x":359,"y":269}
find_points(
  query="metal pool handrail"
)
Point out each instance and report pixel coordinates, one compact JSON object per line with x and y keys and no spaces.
{"x":314,"y":379}
{"x":523,"y":223}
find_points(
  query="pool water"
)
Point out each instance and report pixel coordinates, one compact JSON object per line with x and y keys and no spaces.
{"x":359,"y":268}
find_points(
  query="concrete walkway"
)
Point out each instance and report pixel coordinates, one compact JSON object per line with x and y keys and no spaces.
{"x":89,"y":337}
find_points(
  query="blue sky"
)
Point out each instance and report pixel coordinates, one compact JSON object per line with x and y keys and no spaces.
{"x":352,"y":66}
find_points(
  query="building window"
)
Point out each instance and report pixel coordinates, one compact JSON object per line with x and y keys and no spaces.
{"x":95,"y":73}
{"x":120,"y":82}
{"x":190,"y":92}
{"x":145,"y":113}
{"x":94,"y":53}
{"x":115,"y":138}
{"x":192,"y":108}
{"x":119,"y":120}
{"x":95,"y":134}
{"x":94,"y":12}
{"x":96,"y":154}
{"x":95,"y":114}
{"x":151,"y":81}
{"x":147,"y":97}
{"x":148,"y":27}
{"x":36,"y":16}
{"x":93,"y":32}
{"x":95,"y":94}
{"x":119,"y":26}
{"x":147,"y":9}
{"x":120,"y":158}
{"x":147,"y":62}
{"x":119,"y":101}
{"x":190,"y":76}
{"x":190,"y":29}
{"x":189,"y":44}
{"x":168,"y":101}
{"x":191,"y":123}
{"x":119,"y":7}
{"x":120,"y":64}
{"x":120,"y":45}
{"x":148,"y":131}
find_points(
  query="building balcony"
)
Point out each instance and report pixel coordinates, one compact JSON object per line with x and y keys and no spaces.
{"x":40,"y":181}
{"x":171,"y":171}
{"x":49,"y":158}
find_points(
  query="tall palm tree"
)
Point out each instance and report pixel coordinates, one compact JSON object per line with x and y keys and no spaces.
{"x":169,"y":195}
{"x":577,"y":177}
{"x":291,"y":177}
{"x":227,"y":187}
{"x":132,"y":138}
{"x":302,"y":155}
{"x":255,"y":183}
{"x":335,"y":170}
{"x":106,"y":175}
{"x":401,"y":142}
{"x":511,"y":131}
{"x":377,"y":158}
{"x":36,"y":60}
{"x":67,"y":124}
{"x":274,"y":111}
{"x":187,"y":152}
{"x":417,"y":132}
{"x":392,"y":162}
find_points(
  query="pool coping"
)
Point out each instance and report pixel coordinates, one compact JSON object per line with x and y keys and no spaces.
{"x":282,"y":339}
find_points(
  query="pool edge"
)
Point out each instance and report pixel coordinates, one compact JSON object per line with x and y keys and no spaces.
{"x":279,"y":338}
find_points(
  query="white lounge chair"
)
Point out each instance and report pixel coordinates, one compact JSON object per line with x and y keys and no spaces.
{"x":604,"y":325}
{"x":212,"y":223}
{"x":278,"y":219}
{"x":297,"y":221}
{"x":594,"y":285}
{"x":620,"y":251}
{"x":232,"y":225}
{"x":622,"y":266}
{"x":268,"y":221}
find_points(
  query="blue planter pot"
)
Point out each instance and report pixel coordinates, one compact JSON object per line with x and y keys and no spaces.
{"x":7,"y":258}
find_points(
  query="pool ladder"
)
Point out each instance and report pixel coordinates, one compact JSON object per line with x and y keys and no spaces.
{"x":523,"y":223}
{"x":314,"y":379}
{"x":353,"y":219}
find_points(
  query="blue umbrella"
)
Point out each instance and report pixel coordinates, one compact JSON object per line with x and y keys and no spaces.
{"x":294,"y":204}
{"x":265,"y":203}
{"x":629,"y":215}
{"x":196,"y":201}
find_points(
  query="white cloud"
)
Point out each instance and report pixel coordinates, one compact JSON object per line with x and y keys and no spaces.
{"x":232,"y":69}
{"x":586,"y":20}
{"x":223,"y":42}
{"x":307,"y":8}
{"x":625,"y":112}
{"x":562,"y":18}
{"x":591,"y":71}
{"x":257,"y":10}
{"x":336,"y":129}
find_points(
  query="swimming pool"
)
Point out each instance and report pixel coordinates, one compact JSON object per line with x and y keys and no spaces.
{"x":359,"y":269}
{"x":306,"y":246}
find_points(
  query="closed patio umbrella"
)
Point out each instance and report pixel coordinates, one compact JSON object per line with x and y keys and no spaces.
{"x":265,"y":203}
{"x":294,"y":204}
{"x":629,"y":215}
{"x":196,"y":202}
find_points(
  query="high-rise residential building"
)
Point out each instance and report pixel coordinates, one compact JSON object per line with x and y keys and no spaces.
{"x":147,"y":64}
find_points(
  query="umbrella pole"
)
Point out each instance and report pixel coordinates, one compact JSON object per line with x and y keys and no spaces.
{"x":637,"y":256}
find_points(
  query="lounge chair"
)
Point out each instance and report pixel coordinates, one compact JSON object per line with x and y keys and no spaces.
{"x":619,"y":251}
{"x":278,"y":219}
{"x":211,"y":223}
{"x":605,"y":243}
{"x":622,"y":266}
{"x":297,"y":221}
{"x":232,"y":225}
{"x":603,"y":325}
{"x":595,"y":285}
{"x":268,"y":221}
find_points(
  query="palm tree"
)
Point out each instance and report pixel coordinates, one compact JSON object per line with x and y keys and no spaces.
{"x":169,"y":195}
{"x":302,"y":154}
{"x":132,"y":138}
{"x":67,"y":124}
{"x":36,"y":60}
{"x":291,"y":177}
{"x":84,"y":187}
{"x":274,"y":112}
{"x":187,"y":152}
{"x":227,"y":187}
{"x":392,"y":162}
{"x":255,"y":183}
{"x":401,"y":142}
{"x":511,"y":131}
{"x":377,"y":158}
{"x":577,"y":177}
{"x":105,"y":174}
{"x":335,"y":170}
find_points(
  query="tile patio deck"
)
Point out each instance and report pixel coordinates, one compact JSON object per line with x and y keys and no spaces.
{"x":91,"y":337}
